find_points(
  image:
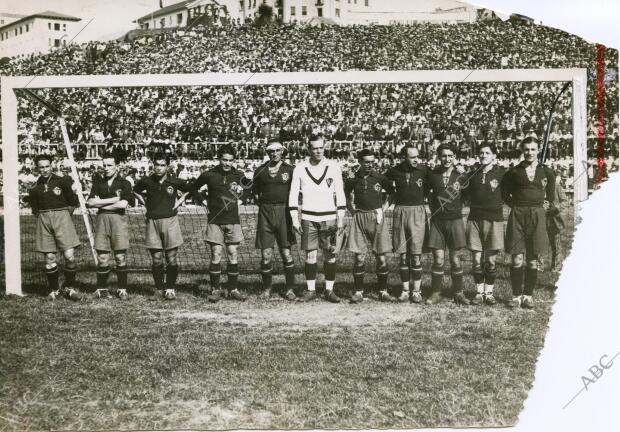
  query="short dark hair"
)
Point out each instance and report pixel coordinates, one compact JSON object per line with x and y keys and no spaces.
{"x":226,"y":149}
{"x":445,"y":146}
{"x":161,"y":156}
{"x":109,"y":155}
{"x":403,"y":151}
{"x":490,"y":145}
{"x":529,"y":140}
{"x":363,"y":153}
{"x":43,"y":157}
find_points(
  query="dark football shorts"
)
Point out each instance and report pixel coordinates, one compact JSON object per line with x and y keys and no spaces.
{"x":55,"y":231}
{"x":527,"y":231}
{"x":224,"y":234}
{"x":274,"y":225}
{"x":485,"y":235}
{"x":111,"y":232}
{"x":365,"y":233}
{"x":163,"y":234}
{"x":447,"y":233}
{"x":409,"y":229}
{"x":319,"y":234}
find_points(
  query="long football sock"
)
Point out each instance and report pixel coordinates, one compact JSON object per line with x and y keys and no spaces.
{"x":416,"y":273}
{"x":404,"y":275}
{"x":310,"y":270}
{"x":489,"y":279}
{"x":52,"y":278}
{"x":436,"y":278}
{"x":358,"y":277}
{"x":158,"y":276}
{"x":103,"y":273}
{"x":266,"y":270}
{"x":233,"y":275}
{"x":69,"y":271}
{"x":382,"y":276}
{"x":215,"y":273}
{"x":121,"y":276}
{"x":457,"y":279}
{"x":172,"y":272}
{"x":516,"y":279}
{"x":289,"y":274}
{"x":531,"y":276}
{"x":479,"y":279}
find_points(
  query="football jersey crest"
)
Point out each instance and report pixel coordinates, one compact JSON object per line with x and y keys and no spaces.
{"x":57,"y":191}
{"x":285,"y":177}
{"x":329,"y":181}
{"x":170,"y":190}
{"x":419,"y":182}
{"x":351,"y":174}
{"x":494,"y":184}
{"x":377,"y":187}
{"x":118,"y":192}
{"x":544,"y":182}
{"x":456,"y":186}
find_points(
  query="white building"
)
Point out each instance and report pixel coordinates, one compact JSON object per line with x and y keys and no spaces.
{"x":37,"y":33}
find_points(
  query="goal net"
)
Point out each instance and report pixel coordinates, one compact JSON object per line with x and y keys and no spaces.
{"x":378,"y":110}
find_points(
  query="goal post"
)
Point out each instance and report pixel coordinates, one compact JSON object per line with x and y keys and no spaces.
{"x":9,"y":85}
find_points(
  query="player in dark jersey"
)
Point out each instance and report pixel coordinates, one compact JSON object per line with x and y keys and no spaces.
{"x":270,"y":186}
{"x":163,"y":194}
{"x":52,"y":201}
{"x":364,"y":190}
{"x":529,"y":189}
{"x":225,"y":187}
{"x":485,"y":224}
{"x":410,"y":182}
{"x":111,"y":194}
{"x":447,"y":229}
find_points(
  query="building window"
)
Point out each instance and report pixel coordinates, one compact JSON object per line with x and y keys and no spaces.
{"x":319,"y":12}
{"x":27,"y":27}
{"x":179,"y":19}
{"x":21,"y":30}
{"x":49,"y":26}
{"x":304,"y":10}
{"x":337,"y":13}
{"x":64,"y":27}
{"x":366,"y":3}
{"x":56,"y":42}
{"x":292,"y":10}
{"x":49,"y":42}
{"x":15,"y":32}
{"x":57,"y":27}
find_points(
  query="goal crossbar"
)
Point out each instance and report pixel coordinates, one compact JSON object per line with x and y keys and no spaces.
{"x":9,"y":84}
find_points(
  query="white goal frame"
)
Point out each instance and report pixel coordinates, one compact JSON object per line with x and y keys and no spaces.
{"x":578,"y":78}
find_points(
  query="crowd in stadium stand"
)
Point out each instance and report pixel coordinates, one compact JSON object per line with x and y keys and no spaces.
{"x":191,"y":121}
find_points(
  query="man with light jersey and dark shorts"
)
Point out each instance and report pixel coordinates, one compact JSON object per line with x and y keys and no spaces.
{"x":366,"y":191}
{"x":409,"y":226}
{"x":111,"y":195}
{"x":447,"y":230}
{"x":52,"y":201}
{"x":270,"y":186}
{"x":529,"y":190}
{"x":485,"y":224}
{"x":226,"y":186}
{"x":162,"y":194}
{"x":319,"y":181}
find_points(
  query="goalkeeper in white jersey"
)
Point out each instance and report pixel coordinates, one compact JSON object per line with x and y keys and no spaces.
{"x":319,"y":182}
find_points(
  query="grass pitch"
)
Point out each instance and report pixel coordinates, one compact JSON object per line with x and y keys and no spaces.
{"x":152,"y":364}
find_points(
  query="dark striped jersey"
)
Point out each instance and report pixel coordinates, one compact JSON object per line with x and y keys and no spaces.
{"x":272,"y":188}
{"x":519,"y":191}
{"x":52,"y":193}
